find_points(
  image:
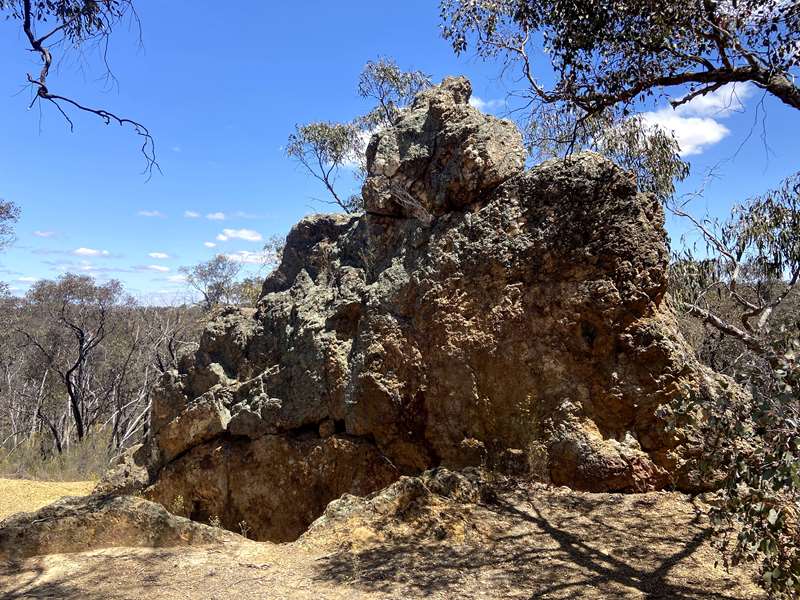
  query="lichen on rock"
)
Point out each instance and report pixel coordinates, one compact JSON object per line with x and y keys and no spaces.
{"x":477,"y":314}
{"x":442,"y":155}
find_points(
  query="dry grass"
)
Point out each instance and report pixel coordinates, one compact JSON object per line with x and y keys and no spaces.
{"x":22,"y":495}
{"x":79,"y":462}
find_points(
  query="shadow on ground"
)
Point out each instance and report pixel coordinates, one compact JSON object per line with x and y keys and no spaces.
{"x":523,"y":543}
{"x":100,"y":578}
{"x":552,"y":546}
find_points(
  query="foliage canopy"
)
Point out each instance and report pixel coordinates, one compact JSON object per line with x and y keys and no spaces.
{"x":609,"y":54}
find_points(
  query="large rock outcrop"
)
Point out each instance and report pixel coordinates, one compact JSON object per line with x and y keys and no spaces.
{"x":477,"y":314}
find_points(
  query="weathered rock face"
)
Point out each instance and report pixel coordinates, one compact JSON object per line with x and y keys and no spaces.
{"x":442,"y":155}
{"x":521,"y":323}
{"x":79,"y":524}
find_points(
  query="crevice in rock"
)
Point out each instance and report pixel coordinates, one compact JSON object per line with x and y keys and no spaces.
{"x":237,"y":452}
{"x":589,"y":333}
{"x":304,"y":432}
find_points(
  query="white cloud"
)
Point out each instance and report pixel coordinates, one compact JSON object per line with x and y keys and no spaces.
{"x":176,"y":278}
{"x":151,"y":213}
{"x":695,"y":124}
{"x":247,"y":257}
{"x":216,"y":216}
{"x":209,"y":244}
{"x":90,"y":252}
{"x":191,"y":214}
{"x":485,"y":105}
{"x":719,"y":103}
{"x":44,"y":234}
{"x":158,"y":255}
{"x":239,"y":234}
{"x":28,"y":279}
{"x":176,"y":149}
{"x":157,"y":268}
{"x":87,"y":267}
{"x":693,"y":134}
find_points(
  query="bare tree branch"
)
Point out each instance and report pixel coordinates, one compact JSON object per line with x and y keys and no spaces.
{"x":43,"y":93}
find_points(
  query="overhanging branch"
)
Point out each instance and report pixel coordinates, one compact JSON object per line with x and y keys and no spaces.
{"x":43,"y":93}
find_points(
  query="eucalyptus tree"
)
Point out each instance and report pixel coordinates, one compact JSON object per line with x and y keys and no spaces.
{"x":610,"y":54}
{"x":214,"y":279}
{"x":742,"y":284}
{"x":752,"y":258}
{"x":326,"y":149}
{"x":78,"y":361}
{"x":9,"y":215}
{"x":392,"y":89}
{"x":63,"y":324}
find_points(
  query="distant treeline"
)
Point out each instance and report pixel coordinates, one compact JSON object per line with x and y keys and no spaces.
{"x":78,"y":357}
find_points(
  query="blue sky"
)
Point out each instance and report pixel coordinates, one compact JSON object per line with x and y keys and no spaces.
{"x":220,"y":89}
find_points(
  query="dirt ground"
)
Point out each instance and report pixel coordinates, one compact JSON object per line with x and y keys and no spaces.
{"x":22,"y":495}
{"x":525,"y":543}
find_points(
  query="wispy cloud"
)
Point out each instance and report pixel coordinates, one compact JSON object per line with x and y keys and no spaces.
{"x":156,"y":268}
{"x":177,"y":278}
{"x":28,"y":279}
{"x":83,"y":266}
{"x":250,"y":258}
{"x":240,"y":214}
{"x":90,"y":252}
{"x":158,"y":255}
{"x":695,"y":124}
{"x":239,"y":234}
{"x":177,"y":149}
{"x":82,"y":251}
{"x":486,"y":105}
{"x":216,"y":216}
{"x":44,"y":234}
{"x":209,"y":244}
{"x":191,"y":214}
{"x":151,"y":213}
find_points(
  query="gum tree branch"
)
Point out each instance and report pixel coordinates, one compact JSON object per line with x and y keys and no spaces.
{"x":43,"y":93}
